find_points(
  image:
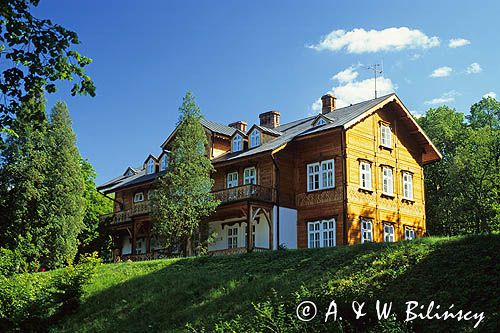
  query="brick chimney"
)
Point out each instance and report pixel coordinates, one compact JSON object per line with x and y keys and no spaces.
{"x":239,"y":125}
{"x":270,"y":119}
{"x":328,"y":103}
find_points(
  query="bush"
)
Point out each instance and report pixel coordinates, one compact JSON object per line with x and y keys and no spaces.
{"x":30,"y":302}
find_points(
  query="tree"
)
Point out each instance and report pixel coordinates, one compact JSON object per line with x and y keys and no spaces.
{"x":182,"y":197}
{"x":65,"y":204}
{"x":463,"y":190}
{"x":23,"y":171}
{"x":36,"y":53}
{"x":92,"y":238}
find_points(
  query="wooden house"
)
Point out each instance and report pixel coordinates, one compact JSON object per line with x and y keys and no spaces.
{"x":345,"y":176}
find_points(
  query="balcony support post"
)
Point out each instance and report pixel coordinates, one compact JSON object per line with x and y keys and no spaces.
{"x":249,"y":227}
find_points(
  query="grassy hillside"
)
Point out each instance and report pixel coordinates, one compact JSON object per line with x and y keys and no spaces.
{"x":165,"y":295}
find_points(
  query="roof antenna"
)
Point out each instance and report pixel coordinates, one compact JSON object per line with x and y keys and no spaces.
{"x":376,"y":70}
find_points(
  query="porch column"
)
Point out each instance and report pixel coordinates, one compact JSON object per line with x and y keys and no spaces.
{"x":249,"y":228}
{"x":134,"y":235}
{"x":148,"y":238}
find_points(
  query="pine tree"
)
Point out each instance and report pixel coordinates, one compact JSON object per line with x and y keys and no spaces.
{"x":182,"y":197}
{"x":65,"y":205}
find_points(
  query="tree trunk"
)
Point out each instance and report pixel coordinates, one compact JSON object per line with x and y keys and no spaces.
{"x":189,"y":247}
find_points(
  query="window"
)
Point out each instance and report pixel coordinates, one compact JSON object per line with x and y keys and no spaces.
{"x":388,"y":233}
{"x":255,"y":138}
{"x":237,"y":143}
{"x":232,"y":179}
{"x":409,"y":233}
{"x":151,"y":167}
{"x":387,"y":181}
{"x":320,"y":122}
{"x":366,"y":231}
{"x":139,"y":197}
{"x":150,"y":194}
{"x":407,"y":186}
{"x":385,"y":136}
{"x":321,"y":170}
{"x":253,"y":236}
{"x":250,"y":176}
{"x":164,"y":162}
{"x":321,"y":233}
{"x":365,"y":175}
{"x":232,"y":237}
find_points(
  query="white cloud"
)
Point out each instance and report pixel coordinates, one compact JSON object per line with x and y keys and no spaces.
{"x":347,"y":75}
{"x":442,"y":72}
{"x":458,"y":42}
{"x":358,"y":91}
{"x":448,"y":97}
{"x":474,"y":68}
{"x":490,"y":94}
{"x":361,"y":41}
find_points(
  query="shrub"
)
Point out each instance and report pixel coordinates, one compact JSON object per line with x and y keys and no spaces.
{"x":30,"y":302}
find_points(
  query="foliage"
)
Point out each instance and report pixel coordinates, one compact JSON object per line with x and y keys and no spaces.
{"x":36,"y":53}
{"x":92,"y":238}
{"x":260,"y":291}
{"x":31,"y":302}
{"x":42,"y":188}
{"x":463,"y":190}
{"x":182,"y":197}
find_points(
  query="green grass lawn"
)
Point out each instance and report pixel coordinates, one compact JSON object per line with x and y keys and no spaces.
{"x":165,"y":295}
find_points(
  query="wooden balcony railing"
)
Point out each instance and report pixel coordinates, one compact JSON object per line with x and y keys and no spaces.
{"x":250,"y":191}
{"x":126,"y":215}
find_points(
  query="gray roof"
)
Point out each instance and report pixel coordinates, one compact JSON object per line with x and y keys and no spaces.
{"x":266,"y":130}
{"x":287,"y":132}
{"x":303,"y":127}
{"x":217,"y":128}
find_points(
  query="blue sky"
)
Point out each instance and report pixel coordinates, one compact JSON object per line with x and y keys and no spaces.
{"x":241,"y":58}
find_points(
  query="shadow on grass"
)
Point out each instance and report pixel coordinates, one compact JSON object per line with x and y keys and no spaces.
{"x":203,"y":291}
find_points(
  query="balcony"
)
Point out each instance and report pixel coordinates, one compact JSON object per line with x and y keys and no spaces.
{"x":245,"y":192}
{"x":126,"y":215}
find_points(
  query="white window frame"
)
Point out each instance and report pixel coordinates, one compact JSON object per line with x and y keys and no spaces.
{"x":232,"y":179}
{"x":250,"y":176}
{"x":409,"y":233}
{"x":385,"y":135}
{"x":321,"y":175}
{"x":366,"y":231}
{"x":365,"y":175}
{"x":164,"y":162}
{"x":232,"y":237}
{"x":407,"y":185}
{"x":138,"y":197}
{"x":151,"y":166}
{"x":255,"y":138}
{"x":321,"y":233}
{"x":237,"y":143}
{"x":389,"y":233}
{"x":387,"y":181}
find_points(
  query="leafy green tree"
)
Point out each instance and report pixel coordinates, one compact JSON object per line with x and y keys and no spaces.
{"x":65,"y":203}
{"x":462,"y":190}
{"x":93,"y":238}
{"x":182,"y":197}
{"x":23,"y":172}
{"x":35,"y":54}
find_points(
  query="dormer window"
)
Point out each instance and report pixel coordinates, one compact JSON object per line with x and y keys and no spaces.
{"x":237,"y":143}
{"x":151,"y":167}
{"x":320,"y":122}
{"x":163,"y":162}
{"x":255,"y":138}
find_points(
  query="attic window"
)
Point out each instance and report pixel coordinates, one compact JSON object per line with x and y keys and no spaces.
{"x":164,"y":162}
{"x":129,"y":173}
{"x":237,"y":143}
{"x":151,"y":167}
{"x":320,"y":122}
{"x":255,"y":138}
